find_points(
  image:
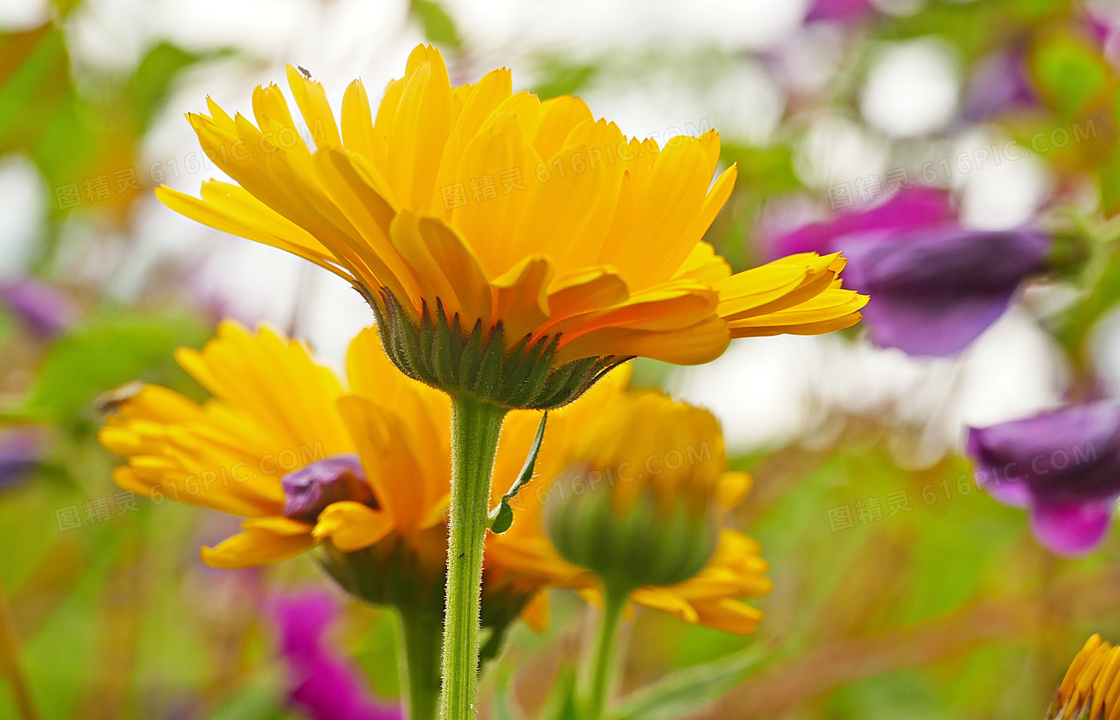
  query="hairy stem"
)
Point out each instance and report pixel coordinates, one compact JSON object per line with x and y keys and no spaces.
{"x":475,"y":426}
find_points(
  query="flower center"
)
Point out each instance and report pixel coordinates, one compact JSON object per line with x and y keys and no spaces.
{"x":309,"y":490}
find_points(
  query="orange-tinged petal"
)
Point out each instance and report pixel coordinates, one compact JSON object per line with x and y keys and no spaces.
{"x":537,"y":612}
{"x":692,"y":345}
{"x":520,"y":297}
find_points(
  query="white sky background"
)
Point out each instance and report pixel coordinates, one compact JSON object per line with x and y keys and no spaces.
{"x":766,"y":391}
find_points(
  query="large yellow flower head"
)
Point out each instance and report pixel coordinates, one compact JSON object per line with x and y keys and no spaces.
{"x":631,"y":496}
{"x":512,"y":249}
{"x":1091,"y":687}
{"x":360,"y":468}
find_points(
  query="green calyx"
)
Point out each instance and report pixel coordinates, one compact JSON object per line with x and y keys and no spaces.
{"x":388,"y":573}
{"x":640,"y":546}
{"x":481,"y":362}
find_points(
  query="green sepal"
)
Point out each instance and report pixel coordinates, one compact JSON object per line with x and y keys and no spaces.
{"x":434,"y":349}
{"x":501,"y":517}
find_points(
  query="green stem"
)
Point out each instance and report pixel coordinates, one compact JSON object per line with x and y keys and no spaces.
{"x":420,"y":671}
{"x":597,"y":687}
{"x":475,"y":426}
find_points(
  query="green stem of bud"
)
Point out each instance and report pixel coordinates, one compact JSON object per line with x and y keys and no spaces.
{"x":475,"y":426}
{"x":420,"y":665}
{"x":600,"y":680}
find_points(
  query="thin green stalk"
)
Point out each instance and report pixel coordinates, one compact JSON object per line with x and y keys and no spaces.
{"x":475,"y":426}
{"x":11,"y":665}
{"x":600,"y":680}
{"x":421,"y":641}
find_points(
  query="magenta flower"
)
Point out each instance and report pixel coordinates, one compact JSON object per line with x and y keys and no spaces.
{"x":839,"y":10}
{"x":934,"y":286}
{"x":906,"y":210}
{"x":323,"y":685}
{"x":1062,"y":465}
{"x":42,"y":308}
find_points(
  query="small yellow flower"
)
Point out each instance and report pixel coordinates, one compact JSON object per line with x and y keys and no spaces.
{"x":512,"y":248}
{"x":1091,"y":688}
{"x":633,"y":493}
{"x":363,"y":469}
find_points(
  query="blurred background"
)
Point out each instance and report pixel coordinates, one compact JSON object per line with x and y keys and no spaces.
{"x":901,"y":588}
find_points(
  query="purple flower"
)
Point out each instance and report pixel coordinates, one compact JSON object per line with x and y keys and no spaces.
{"x":1105,"y":30}
{"x":935,"y":291}
{"x":309,"y":490}
{"x":322,"y":684}
{"x":838,"y":10}
{"x":1063,"y":465}
{"x":934,"y":286}
{"x":998,"y":84}
{"x":908,"y":210}
{"x":20,"y":454}
{"x":45,"y":310}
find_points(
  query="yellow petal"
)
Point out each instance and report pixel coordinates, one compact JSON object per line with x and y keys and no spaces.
{"x":420,"y":129}
{"x":316,"y":111}
{"x":352,"y":526}
{"x":536,"y":613}
{"x":521,"y":299}
{"x":255,"y":547}
{"x":387,"y":454}
{"x":357,"y":122}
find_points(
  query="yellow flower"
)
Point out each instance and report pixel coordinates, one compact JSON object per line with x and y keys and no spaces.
{"x":305,"y":459}
{"x":511,"y":248}
{"x":1091,"y":688}
{"x":632,"y":484}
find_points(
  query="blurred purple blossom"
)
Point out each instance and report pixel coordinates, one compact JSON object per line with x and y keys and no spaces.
{"x":1062,"y":465}
{"x":45,"y":310}
{"x":934,"y":286}
{"x":998,"y":84}
{"x":20,"y":453}
{"x":908,"y":210}
{"x":322,"y":684}
{"x":839,"y":10}
{"x":933,"y":292}
{"x":1105,"y":30}
{"x":309,"y":490}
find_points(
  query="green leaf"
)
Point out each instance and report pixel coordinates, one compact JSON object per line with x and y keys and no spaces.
{"x":501,"y":517}
{"x":1070,"y":73}
{"x":439,"y":26}
{"x":689,"y":690}
{"x":562,"y":704}
{"x":561,"y":78}
{"x":503,"y":703}
{"x":153,"y":77}
{"x":101,"y":355}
